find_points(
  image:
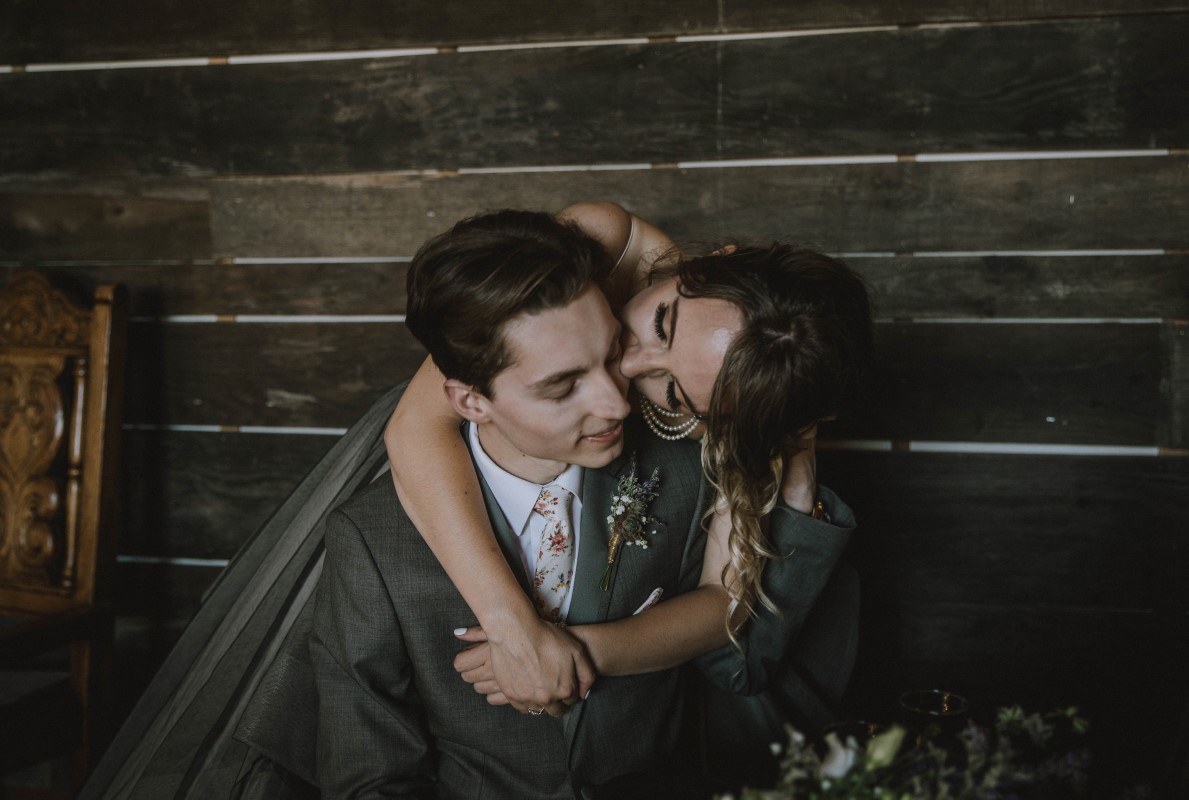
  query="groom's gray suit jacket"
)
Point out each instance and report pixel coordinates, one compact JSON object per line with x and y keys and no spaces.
{"x":393,"y":717}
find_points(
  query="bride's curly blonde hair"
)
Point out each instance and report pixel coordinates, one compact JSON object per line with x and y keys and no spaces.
{"x":804,"y":346}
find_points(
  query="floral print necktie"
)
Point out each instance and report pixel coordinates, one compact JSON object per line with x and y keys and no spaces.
{"x":555,"y":558}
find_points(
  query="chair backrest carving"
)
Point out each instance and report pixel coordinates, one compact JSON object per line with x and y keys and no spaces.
{"x":56,"y":398}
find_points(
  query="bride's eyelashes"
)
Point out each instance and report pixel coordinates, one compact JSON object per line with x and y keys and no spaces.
{"x":671,"y":395}
{"x":658,"y":320}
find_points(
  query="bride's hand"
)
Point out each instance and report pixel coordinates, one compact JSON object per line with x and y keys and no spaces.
{"x":550,"y":669}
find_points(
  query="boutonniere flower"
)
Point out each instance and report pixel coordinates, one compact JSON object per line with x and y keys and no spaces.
{"x":629,"y":518}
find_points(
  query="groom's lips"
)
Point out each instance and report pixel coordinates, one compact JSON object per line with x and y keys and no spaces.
{"x":609,"y":436}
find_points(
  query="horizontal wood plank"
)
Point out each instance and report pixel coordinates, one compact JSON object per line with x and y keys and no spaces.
{"x":1125,"y":203}
{"x":141,"y":221}
{"x":157,"y":290}
{"x":1097,"y":83}
{"x":902,"y":207}
{"x":1175,"y":345}
{"x":973,"y":287}
{"x":755,"y":14}
{"x":31,"y":31}
{"x":1105,"y":287}
{"x":1064,"y":383}
{"x":274,"y":374}
{"x":1068,"y":383}
{"x":201,"y":495}
{"x":1018,"y":531}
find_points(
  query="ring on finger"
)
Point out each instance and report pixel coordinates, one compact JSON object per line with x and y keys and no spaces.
{"x":536,"y":712}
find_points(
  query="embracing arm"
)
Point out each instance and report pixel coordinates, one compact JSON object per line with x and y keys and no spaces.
{"x":809,"y":549}
{"x":635,"y":244}
{"x":437,"y":486}
{"x":666,"y":635}
{"x":672,"y":632}
{"x":694,"y":623}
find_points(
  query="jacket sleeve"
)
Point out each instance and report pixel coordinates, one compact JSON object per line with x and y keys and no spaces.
{"x":372,"y":738}
{"x":810,"y":549}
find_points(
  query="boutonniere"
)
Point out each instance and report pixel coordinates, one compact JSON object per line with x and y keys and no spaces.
{"x":629,"y":518}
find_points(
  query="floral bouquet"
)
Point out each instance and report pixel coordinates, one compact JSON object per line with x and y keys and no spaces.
{"x":1023,"y":756}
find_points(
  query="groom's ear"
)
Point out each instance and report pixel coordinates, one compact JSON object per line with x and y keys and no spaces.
{"x":467,"y":401}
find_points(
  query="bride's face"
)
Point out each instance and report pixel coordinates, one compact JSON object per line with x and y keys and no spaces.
{"x":673,"y":346}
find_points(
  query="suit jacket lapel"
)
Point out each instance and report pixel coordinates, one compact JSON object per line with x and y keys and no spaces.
{"x":589,"y":603}
{"x":508,"y":539}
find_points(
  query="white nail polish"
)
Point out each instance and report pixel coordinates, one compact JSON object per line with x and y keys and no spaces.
{"x":459,"y":631}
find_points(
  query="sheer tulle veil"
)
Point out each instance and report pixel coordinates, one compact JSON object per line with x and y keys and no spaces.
{"x":178,"y":742}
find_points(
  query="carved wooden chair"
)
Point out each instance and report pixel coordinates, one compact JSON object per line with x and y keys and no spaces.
{"x":61,"y":393}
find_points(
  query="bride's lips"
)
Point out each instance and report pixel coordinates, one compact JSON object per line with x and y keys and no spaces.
{"x":609,"y":436}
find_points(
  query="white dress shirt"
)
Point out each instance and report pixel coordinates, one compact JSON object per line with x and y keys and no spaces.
{"x":516,"y":498}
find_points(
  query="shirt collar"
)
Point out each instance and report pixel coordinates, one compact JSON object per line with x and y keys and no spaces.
{"x":516,"y":496}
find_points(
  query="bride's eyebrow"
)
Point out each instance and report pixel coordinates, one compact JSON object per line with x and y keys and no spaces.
{"x":673,"y":320}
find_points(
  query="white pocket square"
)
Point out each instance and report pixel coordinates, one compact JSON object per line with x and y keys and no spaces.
{"x":652,"y":600}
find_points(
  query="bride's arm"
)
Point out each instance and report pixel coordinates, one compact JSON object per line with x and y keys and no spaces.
{"x":666,"y":635}
{"x":694,"y":624}
{"x":635,"y":243}
{"x":537,"y":663}
{"x":674,"y":631}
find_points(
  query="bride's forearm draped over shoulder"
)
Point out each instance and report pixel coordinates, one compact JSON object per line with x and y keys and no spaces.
{"x":439,"y":490}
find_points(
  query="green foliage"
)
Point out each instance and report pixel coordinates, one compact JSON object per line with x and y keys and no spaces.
{"x":1023,"y":756}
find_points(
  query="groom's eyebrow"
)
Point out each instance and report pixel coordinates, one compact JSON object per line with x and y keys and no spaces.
{"x":557,"y":377}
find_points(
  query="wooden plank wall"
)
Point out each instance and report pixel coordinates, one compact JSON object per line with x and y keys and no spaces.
{"x":1011,"y":178}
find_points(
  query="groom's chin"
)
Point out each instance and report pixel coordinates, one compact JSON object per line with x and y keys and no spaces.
{"x":597,"y":459}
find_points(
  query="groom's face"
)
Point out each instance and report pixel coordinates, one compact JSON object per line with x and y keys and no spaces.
{"x":562,"y":401}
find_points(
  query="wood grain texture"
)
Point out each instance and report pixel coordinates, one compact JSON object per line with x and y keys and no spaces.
{"x":160,"y":290}
{"x":1018,"y":531}
{"x":142,"y":28}
{"x":974,"y":287}
{"x":900,"y":207}
{"x":140,"y":221}
{"x":904,"y":207}
{"x":820,"y":13}
{"x":1064,"y":383}
{"x":1175,"y":346}
{"x":1109,"y":287}
{"x":275,"y":374}
{"x":201,"y":495}
{"x":31,"y":30}
{"x":1096,"y":83}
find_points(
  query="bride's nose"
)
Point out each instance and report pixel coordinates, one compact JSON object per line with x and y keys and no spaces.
{"x":641,"y":360}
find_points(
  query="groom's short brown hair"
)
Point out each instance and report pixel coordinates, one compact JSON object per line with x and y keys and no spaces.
{"x":466,"y":284}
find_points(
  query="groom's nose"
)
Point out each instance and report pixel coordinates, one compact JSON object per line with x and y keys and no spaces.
{"x":611,"y":396}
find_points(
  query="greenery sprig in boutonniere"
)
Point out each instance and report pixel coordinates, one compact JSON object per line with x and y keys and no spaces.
{"x":629,"y":518}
